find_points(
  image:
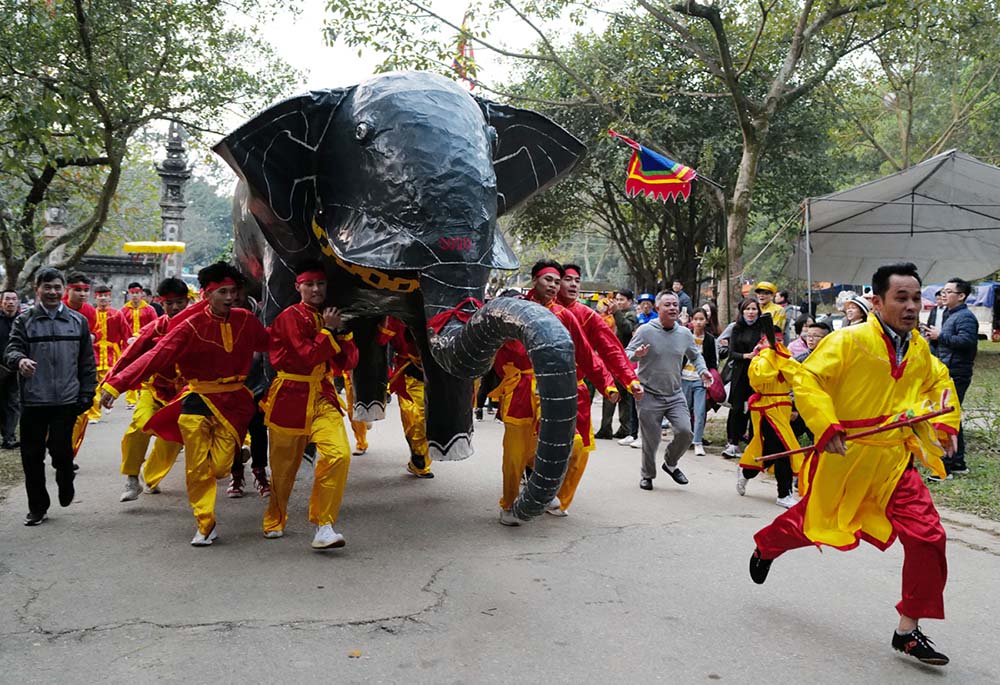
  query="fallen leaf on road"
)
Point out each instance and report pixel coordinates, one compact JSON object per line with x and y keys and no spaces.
{"x":356,"y":654}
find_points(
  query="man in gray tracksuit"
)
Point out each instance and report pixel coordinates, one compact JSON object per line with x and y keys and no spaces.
{"x":51,"y":348}
{"x":660,"y":348}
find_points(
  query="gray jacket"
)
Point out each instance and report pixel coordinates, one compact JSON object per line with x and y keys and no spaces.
{"x":660,"y":369}
{"x":61,"y":346}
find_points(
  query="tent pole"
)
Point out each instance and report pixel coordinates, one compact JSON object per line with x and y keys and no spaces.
{"x":809,"y":279}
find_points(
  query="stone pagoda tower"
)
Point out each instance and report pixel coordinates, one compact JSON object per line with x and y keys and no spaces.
{"x":174,"y":173}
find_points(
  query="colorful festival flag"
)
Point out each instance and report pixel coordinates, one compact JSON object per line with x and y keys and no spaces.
{"x":654,"y":175}
{"x":464,"y":62}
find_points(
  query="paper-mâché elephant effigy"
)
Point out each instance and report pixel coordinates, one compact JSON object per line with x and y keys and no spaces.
{"x":397,"y":183}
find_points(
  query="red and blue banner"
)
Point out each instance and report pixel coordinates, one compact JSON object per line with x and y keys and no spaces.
{"x":654,"y":175}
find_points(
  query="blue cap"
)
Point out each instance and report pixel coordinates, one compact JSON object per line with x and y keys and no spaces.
{"x":646,"y":297}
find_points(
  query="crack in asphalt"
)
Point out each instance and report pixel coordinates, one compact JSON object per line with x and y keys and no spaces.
{"x":383,"y":622}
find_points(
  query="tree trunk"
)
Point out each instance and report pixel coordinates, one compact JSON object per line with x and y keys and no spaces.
{"x":738,"y":220}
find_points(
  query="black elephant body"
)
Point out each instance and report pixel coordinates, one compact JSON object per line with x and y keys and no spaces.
{"x":397,"y":184}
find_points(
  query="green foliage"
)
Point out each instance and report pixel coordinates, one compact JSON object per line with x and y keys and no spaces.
{"x":79,"y":80}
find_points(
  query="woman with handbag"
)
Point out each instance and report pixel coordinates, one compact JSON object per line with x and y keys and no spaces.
{"x":746,"y":333}
{"x":691,"y":383}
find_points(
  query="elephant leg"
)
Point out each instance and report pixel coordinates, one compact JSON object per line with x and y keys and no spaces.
{"x":372,"y":372}
{"x":448,"y":407}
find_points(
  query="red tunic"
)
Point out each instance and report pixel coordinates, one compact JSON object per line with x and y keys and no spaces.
{"x":604,"y":342}
{"x":137,"y":317}
{"x":214,"y":355}
{"x":512,"y":361}
{"x":88,"y":312}
{"x":110,"y":333}
{"x":406,"y":353}
{"x":164,"y":386}
{"x":306,"y":356}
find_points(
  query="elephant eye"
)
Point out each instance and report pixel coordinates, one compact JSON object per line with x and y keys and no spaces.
{"x":361,"y":131}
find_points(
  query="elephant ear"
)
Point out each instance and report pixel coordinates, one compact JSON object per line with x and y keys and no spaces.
{"x":276,"y":154}
{"x":532,"y":152}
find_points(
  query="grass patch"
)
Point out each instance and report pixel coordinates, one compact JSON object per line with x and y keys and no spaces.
{"x":979,"y":491}
{"x":11,"y":472}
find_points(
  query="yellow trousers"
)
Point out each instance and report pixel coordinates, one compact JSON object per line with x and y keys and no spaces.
{"x":95,"y":409}
{"x":135,"y":442}
{"x":411,"y":413}
{"x":577,"y":464}
{"x":132,"y":397}
{"x":360,"y":428}
{"x":208,"y":455}
{"x":333,"y":460}
{"x":519,"y":442}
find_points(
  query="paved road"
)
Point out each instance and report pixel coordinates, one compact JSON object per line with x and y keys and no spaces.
{"x":631,"y":586}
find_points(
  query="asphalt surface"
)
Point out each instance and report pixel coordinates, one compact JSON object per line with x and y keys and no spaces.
{"x":631,"y":586}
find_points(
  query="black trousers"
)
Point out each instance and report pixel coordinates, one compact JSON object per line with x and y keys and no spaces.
{"x":46,"y":427}
{"x":10,"y":407}
{"x":782,"y":467}
{"x":258,"y":444}
{"x":961,"y":386}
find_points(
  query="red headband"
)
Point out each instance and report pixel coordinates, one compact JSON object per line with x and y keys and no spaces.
{"x":310,"y":276}
{"x":215,"y":285}
{"x":548,"y":270}
{"x":79,"y":286}
{"x":570,"y":270}
{"x":136,"y":290}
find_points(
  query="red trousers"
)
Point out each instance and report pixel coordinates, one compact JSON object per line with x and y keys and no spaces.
{"x":914,"y":521}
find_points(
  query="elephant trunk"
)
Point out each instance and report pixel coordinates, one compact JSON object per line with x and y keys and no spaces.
{"x":466,"y":350}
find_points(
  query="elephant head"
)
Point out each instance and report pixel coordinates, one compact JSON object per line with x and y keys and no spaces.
{"x":399,"y":182}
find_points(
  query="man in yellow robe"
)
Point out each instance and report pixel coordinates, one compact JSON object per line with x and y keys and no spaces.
{"x":765,"y":292}
{"x":859,"y":378}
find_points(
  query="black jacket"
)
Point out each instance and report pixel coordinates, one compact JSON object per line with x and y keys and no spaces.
{"x":959,"y":341}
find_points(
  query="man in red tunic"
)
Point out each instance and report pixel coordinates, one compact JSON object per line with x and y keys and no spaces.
{"x":406,"y":380}
{"x":610,"y":352}
{"x":519,"y":403}
{"x":308,"y":349}
{"x":157,"y":391}
{"x":77,"y":291}
{"x":213,"y":347}
{"x":137,"y":313}
{"x":110,"y":333}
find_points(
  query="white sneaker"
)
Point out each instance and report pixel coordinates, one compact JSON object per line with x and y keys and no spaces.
{"x":200,"y":540}
{"x":507,"y":518}
{"x":273,"y":534}
{"x":132,"y":489}
{"x":786,"y":502}
{"x":741,"y":482}
{"x":327,"y":538}
{"x":152,"y":490}
{"x":699,"y":450}
{"x":626,"y":441}
{"x":636,"y":444}
{"x":731,"y":451}
{"x":553,"y":508}
{"x":358,"y":451}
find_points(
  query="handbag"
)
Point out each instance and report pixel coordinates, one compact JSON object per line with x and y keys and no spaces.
{"x":717,"y":390}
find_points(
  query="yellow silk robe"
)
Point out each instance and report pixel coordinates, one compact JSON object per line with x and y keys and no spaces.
{"x":771,"y":373}
{"x":852,"y":382}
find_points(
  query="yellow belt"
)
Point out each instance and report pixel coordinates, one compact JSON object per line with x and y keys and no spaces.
{"x":220,"y":385}
{"x":317,"y":375}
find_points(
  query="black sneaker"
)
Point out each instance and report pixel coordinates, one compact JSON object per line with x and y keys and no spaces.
{"x":66,"y":494}
{"x":676,"y":474}
{"x":33,"y":519}
{"x":604,"y":435}
{"x":959,"y":469}
{"x":759,"y":567}
{"x":620,"y":433}
{"x":646,"y":483}
{"x":479,"y":414}
{"x":919,"y":646}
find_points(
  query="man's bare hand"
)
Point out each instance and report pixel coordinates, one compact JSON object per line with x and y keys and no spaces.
{"x":637,"y":391}
{"x":707,"y":379}
{"x":951,"y":447}
{"x":641,"y":351}
{"x":26,"y":367}
{"x":933,"y":332}
{"x":107,"y":399}
{"x":837,"y":444}
{"x":613,"y":396}
{"x":331,"y":318}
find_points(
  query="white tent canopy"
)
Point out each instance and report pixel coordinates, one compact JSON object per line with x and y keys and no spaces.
{"x":942,"y":214}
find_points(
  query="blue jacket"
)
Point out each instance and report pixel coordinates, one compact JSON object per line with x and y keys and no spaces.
{"x":959,"y":341}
